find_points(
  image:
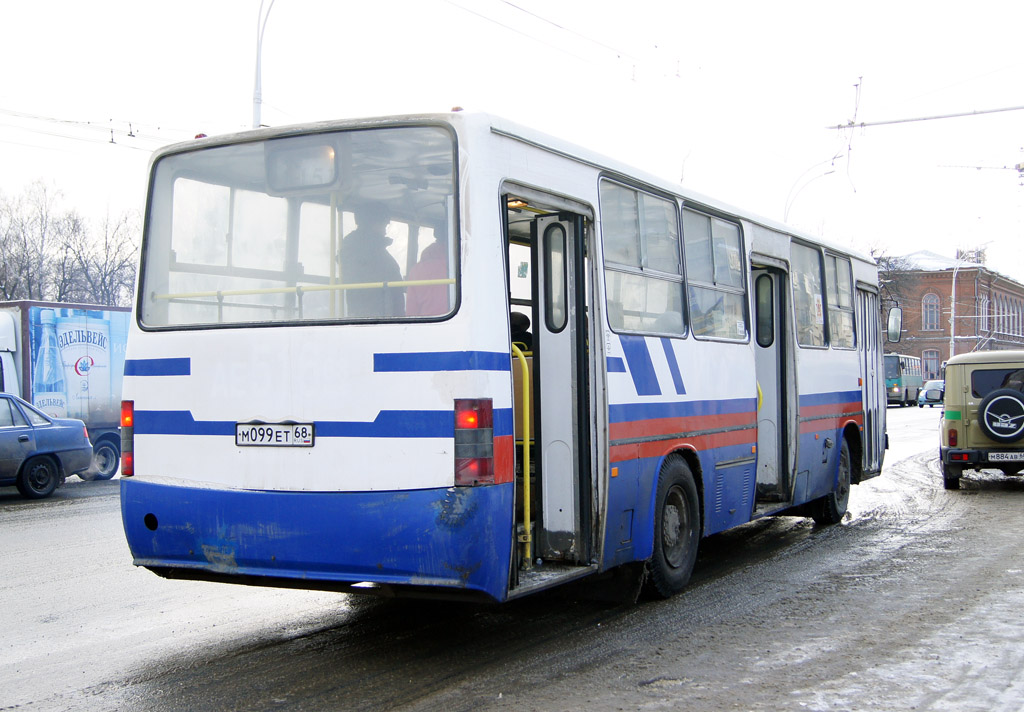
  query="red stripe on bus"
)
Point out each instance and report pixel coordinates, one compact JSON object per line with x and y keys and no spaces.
{"x":672,"y":426}
{"x":830,"y":424}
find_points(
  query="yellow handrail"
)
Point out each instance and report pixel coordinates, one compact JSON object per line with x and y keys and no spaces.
{"x":528,"y":537}
{"x":309,"y":288}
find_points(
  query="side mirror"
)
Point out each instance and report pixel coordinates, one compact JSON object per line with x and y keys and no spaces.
{"x":895,"y":327}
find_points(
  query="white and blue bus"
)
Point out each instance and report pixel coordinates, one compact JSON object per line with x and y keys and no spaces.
{"x":330,"y":383}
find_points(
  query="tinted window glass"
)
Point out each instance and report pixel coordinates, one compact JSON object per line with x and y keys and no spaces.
{"x":714,"y":272}
{"x":808,"y":301}
{"x":643,"y":275}
{"x":985,"y":381}
{"x":349,"y":225}
{"x":6,"y":416}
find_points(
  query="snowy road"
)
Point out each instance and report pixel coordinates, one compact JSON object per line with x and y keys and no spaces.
{"x":913,"y":602}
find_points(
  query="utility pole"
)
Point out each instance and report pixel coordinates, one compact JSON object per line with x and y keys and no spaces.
{"x":257,"y":91}
{"x":952,"y":312}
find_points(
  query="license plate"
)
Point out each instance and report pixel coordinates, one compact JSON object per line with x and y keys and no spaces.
{"x":1005,"y":456}
{"x":274,"y":434}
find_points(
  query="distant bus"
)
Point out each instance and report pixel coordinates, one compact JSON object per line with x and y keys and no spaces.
{"x":903,"y":379}
{"x":323,"y":389}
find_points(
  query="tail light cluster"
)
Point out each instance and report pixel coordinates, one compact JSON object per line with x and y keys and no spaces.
{"x":127,"y":438}
{"x":474,"y":442}
{"x":952,"y":437}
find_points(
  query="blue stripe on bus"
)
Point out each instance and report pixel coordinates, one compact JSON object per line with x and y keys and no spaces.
{"x":616,"y":365}
{"x":812,"y":399}
{"x":630,"y":412}
{"x":158,"y":367}
{"x":641,"y":368}
{"x":387,"y":424}
{"x":442,"y":361}
{"x":673,"y":366}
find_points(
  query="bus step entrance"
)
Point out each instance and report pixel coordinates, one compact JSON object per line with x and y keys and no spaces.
{"x":548,"y":574}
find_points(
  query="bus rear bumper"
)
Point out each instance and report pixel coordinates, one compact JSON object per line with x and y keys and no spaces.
{"x":454,"y":539}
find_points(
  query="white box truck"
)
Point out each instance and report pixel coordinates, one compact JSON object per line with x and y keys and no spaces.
{"x":68,"y":361}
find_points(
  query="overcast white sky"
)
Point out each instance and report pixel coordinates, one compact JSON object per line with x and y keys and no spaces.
{"x":732,"y":98}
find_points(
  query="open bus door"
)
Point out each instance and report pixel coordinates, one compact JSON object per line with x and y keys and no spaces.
{"x":872,"y":381}
{"x":776,"y":386}
{"x":547,"y":282}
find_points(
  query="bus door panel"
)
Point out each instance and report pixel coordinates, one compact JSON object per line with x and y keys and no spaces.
{"x":872,"y":382}
{"x":557,"y":349}
{"x":774,"y":376}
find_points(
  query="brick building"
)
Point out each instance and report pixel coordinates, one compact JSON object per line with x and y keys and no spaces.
{"x":988,"y":309}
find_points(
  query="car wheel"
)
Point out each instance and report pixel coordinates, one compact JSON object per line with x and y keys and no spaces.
{"x":105,"y":459}
{"x":831,"y":508}
{"x":676,"y":529}
{"x":38,"y":478}
{"x":951,"y":476}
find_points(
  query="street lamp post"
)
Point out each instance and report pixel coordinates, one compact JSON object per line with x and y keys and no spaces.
{"x":257,"y":91}
{"x":952,"y":313}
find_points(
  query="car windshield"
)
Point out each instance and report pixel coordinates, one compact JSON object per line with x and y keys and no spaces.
{"x":338,"y":226}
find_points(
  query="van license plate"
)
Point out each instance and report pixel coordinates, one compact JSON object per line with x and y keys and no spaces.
{"x":274,"y":434}
{"x":1005,"y":456}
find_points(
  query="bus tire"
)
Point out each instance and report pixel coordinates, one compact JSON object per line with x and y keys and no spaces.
{"x":676,"y":529}
{"x":831,"y":508}
{"x":951,"y":476}
{"x":38,"y":478}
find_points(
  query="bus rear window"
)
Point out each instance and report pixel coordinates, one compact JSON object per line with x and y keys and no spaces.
{"x":342,"y":226}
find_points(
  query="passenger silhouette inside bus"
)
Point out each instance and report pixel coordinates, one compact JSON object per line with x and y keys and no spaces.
{"x":521,"y":330}
{"x":430,"y":299}
{"x":365,"y":259}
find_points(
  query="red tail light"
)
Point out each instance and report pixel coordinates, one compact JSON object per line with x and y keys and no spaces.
{"x":474,"y":442}
{"x":952,"y":438}
{"x":127,"y":438}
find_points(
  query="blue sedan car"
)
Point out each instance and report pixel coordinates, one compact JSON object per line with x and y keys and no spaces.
{"x":36,"y":451}
{"x":931,"y":394}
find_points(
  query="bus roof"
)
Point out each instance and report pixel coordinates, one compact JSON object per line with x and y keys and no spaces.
{"x":500,"y":126}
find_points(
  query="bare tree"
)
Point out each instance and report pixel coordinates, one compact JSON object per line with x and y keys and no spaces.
{"x":39,"y":237}
{"x":50,"y":254}
{"x":105,"y":265}
{"x":10,"y":231}
{"x":893,"y":276}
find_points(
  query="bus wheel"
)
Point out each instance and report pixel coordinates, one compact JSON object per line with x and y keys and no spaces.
{"x":831,"y":508}
{"x":676,"y":529}
{"x":951,"y":476}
